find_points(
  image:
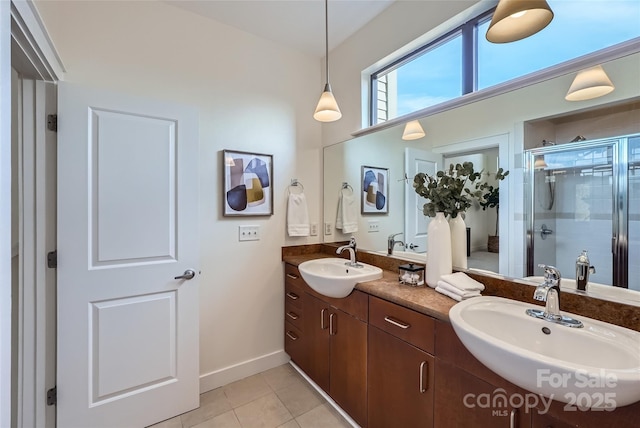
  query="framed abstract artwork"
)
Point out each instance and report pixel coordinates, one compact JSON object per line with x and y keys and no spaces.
{"x":375,"y":190}
{"x":248,"y":183}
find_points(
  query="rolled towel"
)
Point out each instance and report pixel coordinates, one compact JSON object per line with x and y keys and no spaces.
{"x":448,"y":294}
{"x":462,"y":281}
{"x":463,"y":294}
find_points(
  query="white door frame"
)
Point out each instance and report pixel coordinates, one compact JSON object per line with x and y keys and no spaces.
{"x":21,"y":28}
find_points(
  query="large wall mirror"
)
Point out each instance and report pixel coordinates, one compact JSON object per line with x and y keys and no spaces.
{"x":501,"y":131}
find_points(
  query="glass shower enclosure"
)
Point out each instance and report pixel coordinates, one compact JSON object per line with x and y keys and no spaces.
{"x":585,"y":196}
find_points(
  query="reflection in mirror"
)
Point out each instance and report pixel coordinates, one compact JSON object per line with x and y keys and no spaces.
{"x":500,"y":127}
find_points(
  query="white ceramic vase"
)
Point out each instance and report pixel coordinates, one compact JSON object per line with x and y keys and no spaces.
{"x":458,"y":241}
{"x":438,"y":249}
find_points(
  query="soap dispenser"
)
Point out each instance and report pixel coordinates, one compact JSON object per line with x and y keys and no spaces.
{"x":583,"y":269}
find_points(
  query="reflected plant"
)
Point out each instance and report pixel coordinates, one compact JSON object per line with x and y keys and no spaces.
{"x":488,"y":196}
{"x":446,"y":191}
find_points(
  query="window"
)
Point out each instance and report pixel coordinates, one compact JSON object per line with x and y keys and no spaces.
{"x":463,"y":61}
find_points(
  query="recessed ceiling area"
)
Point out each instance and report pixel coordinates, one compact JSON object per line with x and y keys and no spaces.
{"x":298,"y":24}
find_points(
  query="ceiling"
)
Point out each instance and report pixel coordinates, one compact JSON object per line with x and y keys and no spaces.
{"x":298,"y":24}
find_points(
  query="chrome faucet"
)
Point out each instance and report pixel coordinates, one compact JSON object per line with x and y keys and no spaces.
{"x":351,"y":247}
{"x":583,"y":269}
{"x":549,"y":292}
{"x":391,"y":243}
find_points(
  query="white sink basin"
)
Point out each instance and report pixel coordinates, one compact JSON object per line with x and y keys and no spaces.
{"x":333,"y":278}
{"x":596,"y":366}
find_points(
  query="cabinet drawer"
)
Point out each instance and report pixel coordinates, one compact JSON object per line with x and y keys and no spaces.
{"x":294,"y":344}
{"x":292,"y":276}
{"x":293,"y":296}
{"x":411,"y":326}
{"x":293,"y":314}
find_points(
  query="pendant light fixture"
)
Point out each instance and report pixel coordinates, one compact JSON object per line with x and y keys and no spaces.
{"x":327,"y":109}
{"x":413,"y":131}
{"x":516,"y":19}
{"x":590,"y":83}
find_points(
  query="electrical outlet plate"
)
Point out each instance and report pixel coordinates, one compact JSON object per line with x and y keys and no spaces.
{"x":374,"y":226}
{"x":314,"y":229}
{"x":249,"y":233}
{"x":327,"y":228}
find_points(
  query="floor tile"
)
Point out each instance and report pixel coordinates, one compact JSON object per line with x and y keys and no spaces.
{"x":212,"y":404}
{"x":322,"y":416}
{"x":281,"y":376}
{"x":225,"y":420}
{"x":291,"y":424}
{"x":169,"y":423}
{"x":299,"y":397}
{"x":265,"y":412}
{"x":243,"y":391}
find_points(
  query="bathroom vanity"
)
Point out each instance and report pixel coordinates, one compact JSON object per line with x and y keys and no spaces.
{"x":388,"y":356}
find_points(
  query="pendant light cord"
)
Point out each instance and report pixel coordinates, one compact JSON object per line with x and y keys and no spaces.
{"x":326,"y":38}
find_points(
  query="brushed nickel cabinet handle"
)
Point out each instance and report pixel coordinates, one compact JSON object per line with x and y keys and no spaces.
{"x":292,"y":336}
{"x":293,"y":315}
{"x":396,"y":322}
{"x":322,"y":325}
{"x":331,"y":330}
{"x":512,"y":419}
{"x":423,"y":382}
{"x":292,"y":296}
{"x":292,"y":276}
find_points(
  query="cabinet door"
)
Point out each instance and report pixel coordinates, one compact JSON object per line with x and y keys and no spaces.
{"x":401,"y":383}
{"x":349,"y":364}
{"x":316,"y":330}
{"x":546,"y":421}
{"x":464,"y":400}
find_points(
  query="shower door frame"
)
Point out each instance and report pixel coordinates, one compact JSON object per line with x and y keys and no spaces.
{"x":620,"y":200}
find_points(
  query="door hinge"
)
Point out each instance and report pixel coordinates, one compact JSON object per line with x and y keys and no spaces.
{"x":52,"y":396}
{"x":52,"y":122}
{"x":52,"y":259}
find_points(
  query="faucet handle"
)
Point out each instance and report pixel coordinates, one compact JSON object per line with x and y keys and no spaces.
{"x":352,"y":242}
{"x":551,"y":273}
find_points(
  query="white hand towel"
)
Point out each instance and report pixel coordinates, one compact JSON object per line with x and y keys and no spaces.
{"x":347,"y":216}
{"x":449,"y":294}
{"x":462,"y":281}
{"x":464,"y":294}
{"x":297,"y":215}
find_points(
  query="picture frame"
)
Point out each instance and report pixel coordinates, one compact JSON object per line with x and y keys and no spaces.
{"x":375,"y":190}
{"x":247,"y":183}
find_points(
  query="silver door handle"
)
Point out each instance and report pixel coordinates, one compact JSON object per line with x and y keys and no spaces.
{"x":188,"y":274}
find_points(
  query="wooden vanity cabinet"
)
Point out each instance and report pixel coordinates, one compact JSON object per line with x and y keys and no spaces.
{"x":400,"y":366}
{"x":334,"y":338}
{"x":463,"y":385}
{"x":294,"y":337}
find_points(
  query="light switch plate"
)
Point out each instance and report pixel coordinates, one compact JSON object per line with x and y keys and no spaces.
{"x":374,"y":226}
{"x":249,"y":233}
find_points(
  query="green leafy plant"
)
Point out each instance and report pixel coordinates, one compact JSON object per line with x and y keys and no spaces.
{"x":446,"y":191}
{"x":488,"y":196}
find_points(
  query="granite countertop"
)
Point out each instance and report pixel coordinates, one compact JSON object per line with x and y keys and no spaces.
{"x":421,"y":299}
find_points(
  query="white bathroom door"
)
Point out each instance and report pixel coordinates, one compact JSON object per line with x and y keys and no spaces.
{"x":127,"y":225}
{"x":415,"y":222}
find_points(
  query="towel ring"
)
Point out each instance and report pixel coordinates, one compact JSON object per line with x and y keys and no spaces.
{"x":347,"y":186}
{"x":295,"y":183}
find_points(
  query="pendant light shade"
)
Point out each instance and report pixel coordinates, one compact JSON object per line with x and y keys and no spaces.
{"x":327,"y":109}
{"x":412,"y":131}
{"x":539,"y":163}
{"x":517,"y":19}
{"x":590,"y":83}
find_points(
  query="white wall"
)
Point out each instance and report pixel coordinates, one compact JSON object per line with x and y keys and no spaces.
{"x":252,"y":95}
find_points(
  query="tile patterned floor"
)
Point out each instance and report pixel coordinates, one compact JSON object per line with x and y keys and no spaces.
{"x":276,"y":398}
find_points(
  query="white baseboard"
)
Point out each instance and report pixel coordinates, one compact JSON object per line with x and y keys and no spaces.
{"x":226,"y":375}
